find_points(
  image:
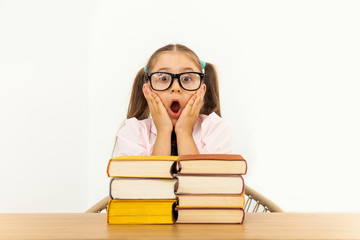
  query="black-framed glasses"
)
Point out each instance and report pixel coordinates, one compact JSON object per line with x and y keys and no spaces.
{"x":161,"y":81}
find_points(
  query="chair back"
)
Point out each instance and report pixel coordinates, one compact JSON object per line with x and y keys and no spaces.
{"x":256,"y":202}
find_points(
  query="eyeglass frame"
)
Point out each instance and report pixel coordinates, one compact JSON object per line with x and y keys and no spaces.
{"x":173,"y":76}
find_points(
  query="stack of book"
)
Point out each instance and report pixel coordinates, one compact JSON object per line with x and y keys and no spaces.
{"x":142,"y":190}
{"x":210,"y":188}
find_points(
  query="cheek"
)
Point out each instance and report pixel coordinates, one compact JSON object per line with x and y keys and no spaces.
{"x":187,"y":97}
{"x":162,"y":97}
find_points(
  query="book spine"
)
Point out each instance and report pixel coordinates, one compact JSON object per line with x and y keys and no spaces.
{"x":107,"y":169}
{"x":107,"y":211}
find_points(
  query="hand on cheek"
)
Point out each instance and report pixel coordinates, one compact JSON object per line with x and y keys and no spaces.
{"x":189,"y":115}
{"x":158,"y":112}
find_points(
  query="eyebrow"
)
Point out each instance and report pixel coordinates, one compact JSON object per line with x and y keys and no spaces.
{"x":167,"y":69}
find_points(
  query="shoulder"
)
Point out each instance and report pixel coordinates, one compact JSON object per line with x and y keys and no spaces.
{"x":135,"y":126}
{"x":211,"y":119}
{"x":133,"y":138}
{"x":135,"y":122}
{"x":210,"y":124}
{"x":212,"y":134}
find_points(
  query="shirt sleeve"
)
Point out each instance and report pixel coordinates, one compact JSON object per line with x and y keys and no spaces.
{"x":216,"y":137}
{"x":132,"y":139}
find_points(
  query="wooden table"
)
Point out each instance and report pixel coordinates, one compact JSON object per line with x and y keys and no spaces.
{"x":256,"y":226}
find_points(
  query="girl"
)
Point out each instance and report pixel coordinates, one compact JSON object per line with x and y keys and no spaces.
{"x":181,"y":94}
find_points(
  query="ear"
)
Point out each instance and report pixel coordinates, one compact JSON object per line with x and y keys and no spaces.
{"x":203,"y":86}
{"x":145,"y":89}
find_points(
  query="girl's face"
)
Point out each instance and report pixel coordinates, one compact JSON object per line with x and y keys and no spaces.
{"x":175,"y":98}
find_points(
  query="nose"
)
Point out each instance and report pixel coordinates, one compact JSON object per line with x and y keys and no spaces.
{"x":175,"y":87}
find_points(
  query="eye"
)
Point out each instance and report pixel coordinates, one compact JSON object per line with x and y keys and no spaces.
{"x":186,"y":78}
{"x":163,"y":77}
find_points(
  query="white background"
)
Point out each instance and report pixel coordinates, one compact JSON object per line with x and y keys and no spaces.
{"x":289,"y":80}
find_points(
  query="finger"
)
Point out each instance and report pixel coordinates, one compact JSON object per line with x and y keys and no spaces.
{"x":151,"y":102}
{"x":157,"y":101}
{"x":203,"y":91}
{"x":156,"y":98}
{"x":159,"y":106}
{"x":198,"y":91}
{"x":150,"y":97}
{"x":190,"y":103}
{"x":196,"y":106}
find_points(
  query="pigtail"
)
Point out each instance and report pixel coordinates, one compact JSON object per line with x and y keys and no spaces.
{"x":211,"y":98}
{"x":138,"y":107}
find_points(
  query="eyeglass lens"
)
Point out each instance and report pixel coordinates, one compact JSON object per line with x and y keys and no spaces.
{"x":162,"y":81}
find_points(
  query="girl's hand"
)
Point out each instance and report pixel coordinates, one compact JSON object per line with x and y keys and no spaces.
{"x":189,"y":115}
{"x":158,"y":112}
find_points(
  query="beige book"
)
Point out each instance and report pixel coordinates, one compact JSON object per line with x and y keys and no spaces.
{"x":210,"y":215}
{"x":209,"y":184}
{"x":142,"y":188}
{"x":142,"y":166}
{"x":211,"y":201}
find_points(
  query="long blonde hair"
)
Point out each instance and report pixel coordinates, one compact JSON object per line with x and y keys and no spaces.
{"x":138,"y":107}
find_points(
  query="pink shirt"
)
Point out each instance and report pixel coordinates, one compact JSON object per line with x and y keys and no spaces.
{"x":137,"y":137}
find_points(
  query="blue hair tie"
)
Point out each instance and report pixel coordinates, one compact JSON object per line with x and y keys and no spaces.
{"x":203,"y":64}
{"x":145,"y":69}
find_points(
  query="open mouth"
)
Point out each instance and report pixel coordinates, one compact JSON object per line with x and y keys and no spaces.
{"x":175,"y":106}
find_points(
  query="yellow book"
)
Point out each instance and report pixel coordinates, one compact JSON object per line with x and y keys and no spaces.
{"x":141,"y":211}
{"x":142,"y":166}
